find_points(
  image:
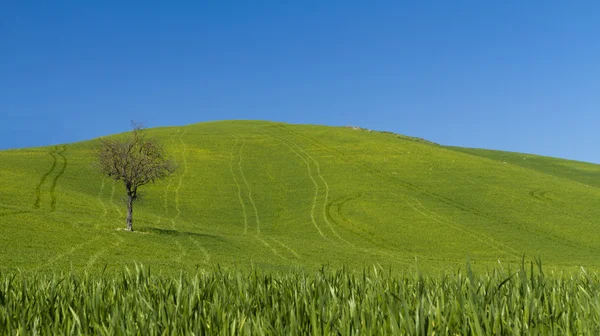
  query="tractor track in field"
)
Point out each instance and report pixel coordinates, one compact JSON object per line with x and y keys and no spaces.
{"x":546,"y":234}
{"x":327,"y":206}
{"x":239,"y":188}
{"x":315,"y":197}
{"x":540,"y":194}
{"x":538,"y":197}
{"x":365,"y":168}
{"x":165,"y":206}
{"x":185,"y":170}
{"x":483,"y":238}
{"x":249,"y":189}
{"x":326,"y":216}
{"x":70,"y":251}
{"x":112,"y":200}
{"x":184,"y":252}
{"x":240,"y":169}
{"x":271,"y":248}
{"x":92,"y":260}
{"x":335,"y":207}
{"x":326,"y":198}
{"x":248,"y":195}
{"x":99,"y":196}
{"x":38,"y":188}
{"x":382,"y":248}
{"x":407,"y":185}
{"x":55,"y":180}
{"x":206,"y":259}
{"x":173,"y":220}
{"x":289,"y":249}
{"x":442,"y":199}
{"x":162,"y":216}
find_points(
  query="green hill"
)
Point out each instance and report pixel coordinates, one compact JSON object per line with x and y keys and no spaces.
{"x":277,"y":196}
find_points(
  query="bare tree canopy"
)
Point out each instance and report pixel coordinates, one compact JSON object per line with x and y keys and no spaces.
{"x":136,"y":160}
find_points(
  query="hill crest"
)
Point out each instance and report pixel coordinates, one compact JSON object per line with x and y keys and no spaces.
{"x":281,"y":196}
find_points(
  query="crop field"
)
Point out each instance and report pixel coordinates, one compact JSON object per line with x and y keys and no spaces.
{"x":271,"y":228}
{"x":281,"y":197}
{"x":342,"y":302}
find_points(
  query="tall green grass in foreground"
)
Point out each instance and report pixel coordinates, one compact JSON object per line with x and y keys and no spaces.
{"x":525,"y":301}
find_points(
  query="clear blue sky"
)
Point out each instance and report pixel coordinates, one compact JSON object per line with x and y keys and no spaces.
{"x":513,"y":75}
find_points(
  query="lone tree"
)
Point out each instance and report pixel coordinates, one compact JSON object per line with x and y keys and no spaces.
{"x":135,"y":159}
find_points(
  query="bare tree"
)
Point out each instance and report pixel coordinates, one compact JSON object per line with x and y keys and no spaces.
{"x":135,"y":159}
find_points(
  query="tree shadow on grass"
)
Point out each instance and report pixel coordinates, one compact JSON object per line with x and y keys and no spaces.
{"x":176,"y":233}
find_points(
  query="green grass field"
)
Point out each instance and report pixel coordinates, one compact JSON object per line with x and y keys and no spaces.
{"x":284,"y":197}
{"x":523,"y":301}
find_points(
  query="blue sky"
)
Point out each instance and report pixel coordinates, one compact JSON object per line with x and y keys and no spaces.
{"x":512,"y":75}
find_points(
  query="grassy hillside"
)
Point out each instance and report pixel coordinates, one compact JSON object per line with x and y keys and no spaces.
{"x":282,"y":196}
{"x":582,"y":172}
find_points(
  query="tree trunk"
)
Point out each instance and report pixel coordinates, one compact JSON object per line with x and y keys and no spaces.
{"x":129,"y":213}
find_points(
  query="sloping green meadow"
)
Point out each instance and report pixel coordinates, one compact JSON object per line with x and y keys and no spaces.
{"x":284,"y":197}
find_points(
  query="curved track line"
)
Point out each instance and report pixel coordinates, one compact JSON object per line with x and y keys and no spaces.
{"x":326,"y":202}
{"x":407,"y":185}
{"x":271,"y":248}
{"x":379,"y":248}
{"x":112,"y":201}
{"x":206,"y":254}
{"x":550,"y":235}
{"x":38,"y":188}
{"x":159,"y":218}
{"x":183,"y":253}
{"x":249,"y":189}
{"x":542,"y":202}
{"x":338,"y":204}
{"x":454,"y":223}
{"x":381,"y":175}
{"x":55,"y":180}
{"x":540,"y":194}
{"x":286,"y":247}
{"x":185,"y":170}
{"x":410,"y":204}
{"x":326,"y":198}
{"x":238,"y":187}
{"x":477,"y":235}
{"x":99,"y":196}
{"x":166,"y":198}
{"x":156,"y":223}
{"x":173,"y":220}
{"x":97,"y":255}
{"x":367,"y":169}
{"x":62,"y":255}
{"x":325,"y":217}
{"x":314,"y":203}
